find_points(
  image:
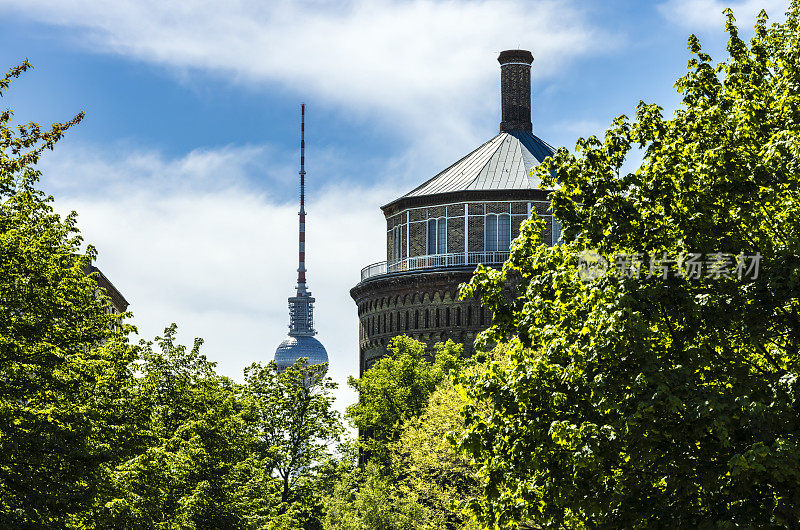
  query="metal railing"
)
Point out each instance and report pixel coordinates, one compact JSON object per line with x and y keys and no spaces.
{"x":434,"y":261}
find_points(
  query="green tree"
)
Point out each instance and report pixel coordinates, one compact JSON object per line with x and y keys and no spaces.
{"x":652,"y":402}
{"x":62,"y":358}
{"x":182,"y":469}
{"x":397,"y":388}
{"x":295,"y":424}
{"x":441,"y":478}
{"x":370,"y":499}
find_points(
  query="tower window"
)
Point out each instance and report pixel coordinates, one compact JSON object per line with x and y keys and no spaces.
{"x":556,"y":232}
{"x":396,"y":246}
{"x":437,"y":236}
{"x":498,"y":232}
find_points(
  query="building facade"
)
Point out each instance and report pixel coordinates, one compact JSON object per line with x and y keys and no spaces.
{"x":439,"y":232}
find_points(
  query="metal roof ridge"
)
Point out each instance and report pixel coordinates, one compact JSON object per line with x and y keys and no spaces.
{"x":451,"y":166}
{"x":488,"y":156}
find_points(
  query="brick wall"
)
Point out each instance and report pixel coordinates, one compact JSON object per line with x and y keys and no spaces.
{"x":455,"y":234}
{"x":455,"y":210}
{"x":437,"y":211}
{"x":498,"y":207}
{"x":476,"y":226}
{"x":424,"y":306}
{"x":418,"y":239}
{"x":547,"y":234}
{"x":541,"y":208}
{"x":516,"y":221}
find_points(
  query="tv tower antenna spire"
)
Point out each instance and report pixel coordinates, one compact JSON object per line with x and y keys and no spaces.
{"x":301,"y":342}
{"x":301,"y":269}
{"x":301,"y":306}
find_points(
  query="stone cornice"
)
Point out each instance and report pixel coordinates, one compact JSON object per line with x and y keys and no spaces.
{"x":404,"y":283}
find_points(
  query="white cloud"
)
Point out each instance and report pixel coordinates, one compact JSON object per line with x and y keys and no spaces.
{"x":700,"y":15}
{"x":220,"y":259}
{"x":81,"y":169}
{"x":425,"y":67}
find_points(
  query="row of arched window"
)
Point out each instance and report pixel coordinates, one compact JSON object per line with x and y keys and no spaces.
{"x":399,"y":321}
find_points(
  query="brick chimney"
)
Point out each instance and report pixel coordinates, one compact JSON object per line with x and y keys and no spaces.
{"x":515,"y":90}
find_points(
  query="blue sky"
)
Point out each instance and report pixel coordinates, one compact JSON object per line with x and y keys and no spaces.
{"x":184,"y":170}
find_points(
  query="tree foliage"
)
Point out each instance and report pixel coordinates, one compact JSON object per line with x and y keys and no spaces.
{"x":640,"y":401}
{"x":428,"y":465}
{"x":62,"y":355}
{"x":191,"y":434}
{"x":414,"y":478}
{"x":372,"y":499}
{"x":210,"y":453}
{"x":397,"y":388}
{"x":295,"y":421}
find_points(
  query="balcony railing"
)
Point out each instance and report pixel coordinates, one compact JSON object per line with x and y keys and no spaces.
{"x":434,"y":261}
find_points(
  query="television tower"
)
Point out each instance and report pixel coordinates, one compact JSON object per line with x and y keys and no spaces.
{"x":301,"y":342}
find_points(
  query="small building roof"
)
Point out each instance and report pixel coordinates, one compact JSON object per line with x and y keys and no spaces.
{"x":502,"y":163}
{"x":117,"y":300}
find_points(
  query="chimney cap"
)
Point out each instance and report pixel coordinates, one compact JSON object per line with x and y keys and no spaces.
{"x":515,"y":56}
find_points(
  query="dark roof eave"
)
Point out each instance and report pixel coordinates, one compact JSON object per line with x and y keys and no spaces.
{"x":117,"y":299}
{"x":405,"y":202}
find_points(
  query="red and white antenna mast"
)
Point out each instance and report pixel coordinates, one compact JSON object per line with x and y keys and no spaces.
{"x":301,"y":306}
{"x":301,"y":269}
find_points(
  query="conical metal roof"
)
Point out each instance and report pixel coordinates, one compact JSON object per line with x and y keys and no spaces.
{"x":502,"y":163}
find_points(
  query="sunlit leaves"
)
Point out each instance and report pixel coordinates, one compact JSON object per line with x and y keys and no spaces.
{"x":634,"y":402}
{"x":397,"y":388}
{"x":63,"y":356}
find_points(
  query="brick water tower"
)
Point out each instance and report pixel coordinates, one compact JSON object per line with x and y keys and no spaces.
{"x":438,"y":232}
